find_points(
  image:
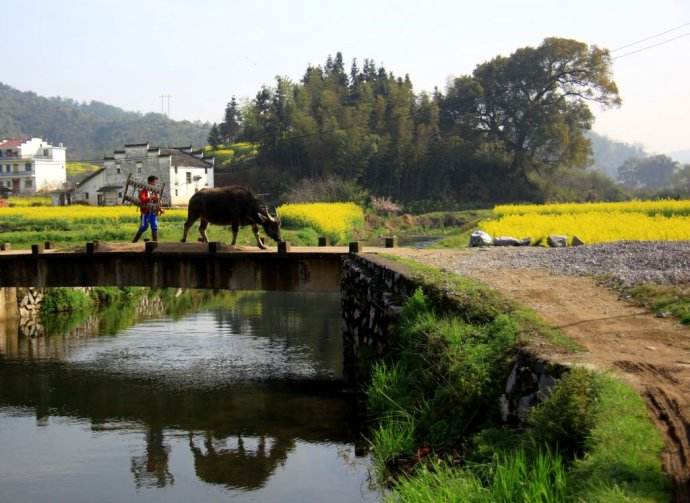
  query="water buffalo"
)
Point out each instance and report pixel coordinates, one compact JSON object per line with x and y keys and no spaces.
{"x":233,"y":205}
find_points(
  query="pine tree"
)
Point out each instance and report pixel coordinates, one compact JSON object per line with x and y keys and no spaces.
{"x":214,"y":137}
{"x":230,"y":127}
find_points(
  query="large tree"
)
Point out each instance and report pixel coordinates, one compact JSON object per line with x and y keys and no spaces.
{"x":655,"y":172}
{"x":534,"y":103}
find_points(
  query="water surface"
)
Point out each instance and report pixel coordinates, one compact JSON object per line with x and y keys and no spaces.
{"x":241,"y":402}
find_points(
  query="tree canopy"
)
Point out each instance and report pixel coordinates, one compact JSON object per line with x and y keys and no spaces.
{"x":501,"y":133}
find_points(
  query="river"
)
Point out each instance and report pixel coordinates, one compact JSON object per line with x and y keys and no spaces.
{"x":241,"y":401}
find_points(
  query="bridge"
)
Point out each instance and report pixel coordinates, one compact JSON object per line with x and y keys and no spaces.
{"x":176,"y":265}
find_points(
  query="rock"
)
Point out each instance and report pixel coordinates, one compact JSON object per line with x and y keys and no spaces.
{"x":555,"y":241}
{"x":524,"y":406}
{"x":504,"y":406}
{"x":546,"y":384}
{"x":480,"y":238}
{"x":512,"y":379}
{"x":506,"y":241}
{"x":577,"y":241}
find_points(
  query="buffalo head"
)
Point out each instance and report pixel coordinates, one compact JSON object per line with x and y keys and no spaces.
{"x":271,"y":224}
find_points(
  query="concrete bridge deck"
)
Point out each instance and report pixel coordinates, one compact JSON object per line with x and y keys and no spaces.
{"x":179,"y":265}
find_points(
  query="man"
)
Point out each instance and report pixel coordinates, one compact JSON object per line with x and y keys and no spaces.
{"x":149,"y":205}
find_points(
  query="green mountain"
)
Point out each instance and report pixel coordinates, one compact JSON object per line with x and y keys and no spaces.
{"x":610,"y":154}
{"x":90,"y":130}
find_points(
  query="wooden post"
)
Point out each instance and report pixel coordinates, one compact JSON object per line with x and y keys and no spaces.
{"x":390,"y":242}
{"x":36,"y":249}
{"x":283,"y":247}
{"x":323,"y":241}
{"x":355,"y":247}
{"x":213,"y":247}
{"x":90,"y":247}
{"x":5,"y":246}
{"x":150,"y":246}
{"x":47,"y":245}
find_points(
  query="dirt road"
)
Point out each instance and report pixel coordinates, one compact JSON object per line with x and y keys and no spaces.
{"x":652,"y":354}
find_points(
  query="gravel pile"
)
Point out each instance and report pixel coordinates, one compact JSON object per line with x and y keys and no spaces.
{"x":630,"y":262}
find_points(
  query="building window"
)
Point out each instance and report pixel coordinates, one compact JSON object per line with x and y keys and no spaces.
{"x":119,"y":195}
{"x":175,"y":191}
{"x":189,"y":177}
{"x":27,"y":166}
{"x":0,"y":153}
{"x":139,"y":170}
{"x":45,"y":152}
{"x":205,"y":171}
{"x":86,"y":196}
{"x":175,"y":169}
{"x":28,"y":183}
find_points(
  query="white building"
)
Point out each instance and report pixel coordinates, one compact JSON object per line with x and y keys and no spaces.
{"x":30,"y":165}
{"x":183,"y":170}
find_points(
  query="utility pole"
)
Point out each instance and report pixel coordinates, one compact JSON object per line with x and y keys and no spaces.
{"x":165,"y":104}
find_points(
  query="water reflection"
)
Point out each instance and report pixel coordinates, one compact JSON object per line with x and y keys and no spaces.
{"x":245,"y":395}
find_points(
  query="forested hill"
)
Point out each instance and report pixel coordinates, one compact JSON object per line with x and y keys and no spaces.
{"x":609,"y":154}
{"x":89,"y":130}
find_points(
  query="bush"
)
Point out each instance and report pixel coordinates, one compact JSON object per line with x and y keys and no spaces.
{"x":568,"y":416}
{"x":57,"y":300}
{"x":331,"y":190}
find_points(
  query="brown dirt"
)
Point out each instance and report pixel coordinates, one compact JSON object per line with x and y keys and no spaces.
{"x":652,"y":354}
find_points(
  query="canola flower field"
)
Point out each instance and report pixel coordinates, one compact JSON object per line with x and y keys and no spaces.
{"x":334,"y":220}
{"x":23,"y":225}
{"x":664,"y":220}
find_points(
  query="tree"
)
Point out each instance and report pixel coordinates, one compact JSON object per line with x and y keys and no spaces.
{"x":655,"y":172}
{"x":230,"y":127}
{"x":534,"y":103}
{"x":214,"y":138}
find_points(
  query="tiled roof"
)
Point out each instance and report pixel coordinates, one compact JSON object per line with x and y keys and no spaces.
{"x":90,"y":176}
{"x":12,"y":142}
{"x":180,"y":158}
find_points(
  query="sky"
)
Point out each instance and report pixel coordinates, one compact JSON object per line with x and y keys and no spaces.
{"x":128,"y":53}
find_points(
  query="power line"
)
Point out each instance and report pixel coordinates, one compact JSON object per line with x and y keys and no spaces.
{"x":650,"y":37}
{"x":651,"y":46}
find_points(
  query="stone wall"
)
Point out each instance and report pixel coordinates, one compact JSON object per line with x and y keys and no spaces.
{"x":373,"y":293}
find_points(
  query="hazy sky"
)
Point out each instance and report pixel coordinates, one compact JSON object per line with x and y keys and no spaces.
{"x":127,"y":53}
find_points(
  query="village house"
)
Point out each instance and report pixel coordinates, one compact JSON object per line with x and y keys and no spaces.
{"x":182,"y":170}
{"x":30,"y":165}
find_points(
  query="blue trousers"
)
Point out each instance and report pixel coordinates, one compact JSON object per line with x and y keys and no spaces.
{"x":149,"y":219}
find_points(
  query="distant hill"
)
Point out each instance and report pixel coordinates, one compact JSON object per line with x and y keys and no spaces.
{"x":610,"y":154}
{"x":90,"y":130}
{"x":682,"y":156}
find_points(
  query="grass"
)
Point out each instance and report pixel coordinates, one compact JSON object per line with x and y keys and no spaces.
{"x":475,"y":301}
{"x":664,"y":300}
{"x":437,"y":393}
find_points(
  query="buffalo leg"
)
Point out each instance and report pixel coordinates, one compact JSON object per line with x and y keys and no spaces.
{"x":235,"y":230}
{"x":202,"y":230}
{"x":187,"y":225}
{"x":255,"y":230}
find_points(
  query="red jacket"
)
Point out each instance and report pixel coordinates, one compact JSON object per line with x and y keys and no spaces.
{"x":147,"y":201}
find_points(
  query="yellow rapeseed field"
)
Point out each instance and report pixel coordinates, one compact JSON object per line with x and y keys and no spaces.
{"x":594,"y":222}
{"x":78,"y":213}
{"x":335,"y":220}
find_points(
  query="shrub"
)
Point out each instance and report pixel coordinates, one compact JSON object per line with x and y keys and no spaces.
{"x":331,"y":190}
{"x":568,"y":416}
{"x":65,"y":299}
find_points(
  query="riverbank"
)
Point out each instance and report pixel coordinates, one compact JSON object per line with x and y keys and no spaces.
{"x":441,"y":425}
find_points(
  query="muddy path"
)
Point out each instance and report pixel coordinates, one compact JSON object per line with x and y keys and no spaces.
{"x":650,"y":353}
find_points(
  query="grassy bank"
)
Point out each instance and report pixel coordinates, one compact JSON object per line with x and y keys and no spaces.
{"x":438,"y":434}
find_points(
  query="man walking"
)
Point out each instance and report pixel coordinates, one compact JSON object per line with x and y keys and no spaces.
{"x":149,"y":205}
